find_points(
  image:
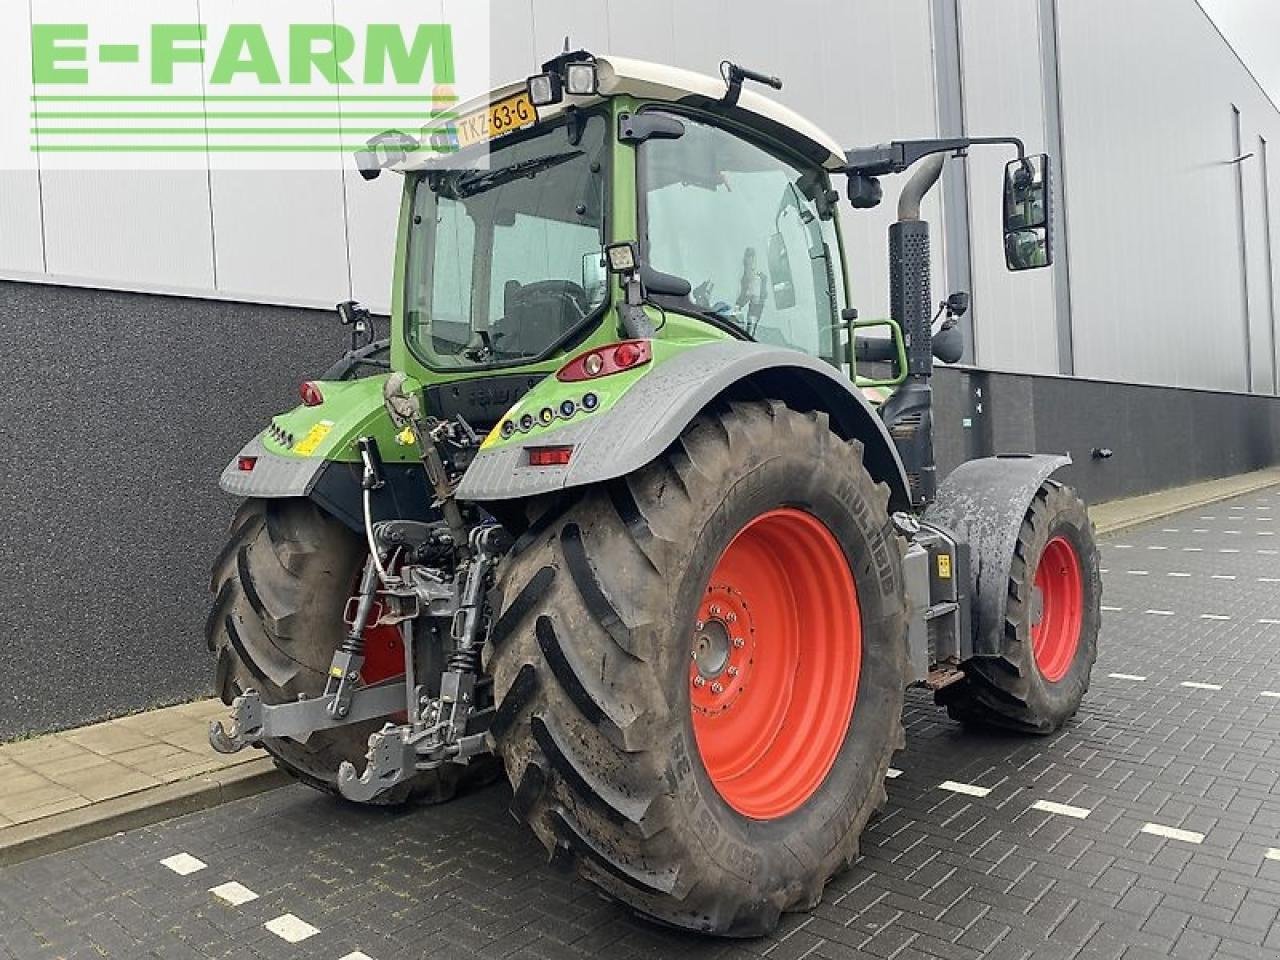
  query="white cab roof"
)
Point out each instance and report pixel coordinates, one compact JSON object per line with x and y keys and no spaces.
{"x":652,"y":81}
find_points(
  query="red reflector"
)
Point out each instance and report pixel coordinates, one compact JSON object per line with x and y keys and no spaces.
{"x":549,"y":456}
{"x":311,"y":395}
{"x":246,"y":464}
{"x":605,"y":361}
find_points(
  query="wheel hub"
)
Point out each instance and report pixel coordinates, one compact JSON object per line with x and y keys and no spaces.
{"x":723,"y":650}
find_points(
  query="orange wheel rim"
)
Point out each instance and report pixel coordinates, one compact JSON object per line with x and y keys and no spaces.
{"x":777,"y":649}
{"x":1059,"y":586}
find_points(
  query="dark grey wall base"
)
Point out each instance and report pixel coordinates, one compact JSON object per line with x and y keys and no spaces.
{"x":1160,"y":437}
{"x":118,"y":411}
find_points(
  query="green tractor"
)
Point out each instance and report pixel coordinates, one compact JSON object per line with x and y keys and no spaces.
{"x":612,"y":510}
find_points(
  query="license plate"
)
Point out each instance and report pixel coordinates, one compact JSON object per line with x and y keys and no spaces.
{"x":497,"y":120}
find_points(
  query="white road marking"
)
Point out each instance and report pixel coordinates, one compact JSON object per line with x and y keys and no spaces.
{"x":1269,"y":553}
{"x":1139,"y":573}
{"x":1063,"y":809}
{"x":1196,"y":685}
{"x":1200,"y":530}
{"x":1178,"y":574}
{"x":236,"y":894}
{"x":1273,"y":694}
{"x":1214,"y":616}
{"x":1234,"y":533}
{"x":1273,"y":854}
{"x":1103,"y":570}
{"x":1208,"y":518}
{"x":183,"y":864}
{"x":1193,"y":549}
{"x":356,"y":956}
{"x":1269,"y":579}
{"x":1170,"y":530}
{"x":1173,"y":833}
{"x":1159,"y":613}
{"x":1269,"y":622}
{"x":1223,"y":576}
{"x":1127,"y":676}
{"x":1266,"y":533}
{"x":1122,"y":546}
{"x":1157,"y":548}
{"x":1113,"y":609}
{"x":290,"y":929}
{"x":968,"y":789}
{"x":893,"y":773}
{"x":1229,"y":550}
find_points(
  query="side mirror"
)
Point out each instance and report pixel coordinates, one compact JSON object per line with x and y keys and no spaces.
{"x":1028,"y":213}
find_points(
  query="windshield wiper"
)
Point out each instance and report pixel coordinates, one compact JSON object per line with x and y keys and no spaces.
{"x":476,"y":183}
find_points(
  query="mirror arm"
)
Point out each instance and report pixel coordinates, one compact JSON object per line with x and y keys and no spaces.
{"x":900,"y":155}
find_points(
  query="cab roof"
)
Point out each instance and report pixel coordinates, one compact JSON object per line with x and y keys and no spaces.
{"x":652,"y":81}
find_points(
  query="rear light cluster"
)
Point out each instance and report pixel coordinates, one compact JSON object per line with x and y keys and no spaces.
{"x":311,"y":395}
{"x":606,"y":361}
{"x":246,"y":464}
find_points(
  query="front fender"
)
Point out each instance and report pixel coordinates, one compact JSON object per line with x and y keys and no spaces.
{"x":656,"y":408}
{"x":983,"y":503}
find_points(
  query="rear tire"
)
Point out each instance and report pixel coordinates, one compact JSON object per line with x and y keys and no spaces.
{"x":591,"y":659}
{"x":1051,"y":625}
{"x":281,"y":585}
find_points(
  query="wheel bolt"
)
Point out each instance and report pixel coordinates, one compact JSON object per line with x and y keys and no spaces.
{"x":714,"y":611}
{"x":698,"y":625}
{"x":731,"y":618}
{"x":733,"y":671}
{"x":717,"y":687}
{"x":739,"y":643}
{"x":699,"y":681}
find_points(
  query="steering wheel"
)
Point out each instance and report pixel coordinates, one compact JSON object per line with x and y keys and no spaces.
{"x":563,"y":291}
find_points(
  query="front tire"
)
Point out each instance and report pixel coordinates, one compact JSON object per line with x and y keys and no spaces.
{"x":1053,"y":613}
{"x":281,"y":585}
{"x":760,"y":525}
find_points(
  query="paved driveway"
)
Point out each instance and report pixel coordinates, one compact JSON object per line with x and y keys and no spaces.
{"x":1149,"y":827}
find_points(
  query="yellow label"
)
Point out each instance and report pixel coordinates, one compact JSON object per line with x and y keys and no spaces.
{"x":497,"y":120}
{"x":405,"y":437}
{"x":315,"y":436}
{"x":944,"y":566}
{"x":336,"y":672}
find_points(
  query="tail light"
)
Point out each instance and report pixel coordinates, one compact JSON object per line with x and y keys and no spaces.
{"x":550,"y":456}
{"x":311,"y":395}
{"x":246,"y":464}
{"x":606,"y":361}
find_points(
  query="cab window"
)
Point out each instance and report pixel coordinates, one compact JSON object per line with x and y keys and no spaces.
{"x":743,"y":226}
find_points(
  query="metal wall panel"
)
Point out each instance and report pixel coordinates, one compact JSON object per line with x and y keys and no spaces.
{"x":1013,"y":313}
{"x":1147,"y":91}
{"x":21,"y":239}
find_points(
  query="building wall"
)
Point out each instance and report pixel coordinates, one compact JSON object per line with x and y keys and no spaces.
{"x":1148,"y":88}
{"x":1167,"y":247}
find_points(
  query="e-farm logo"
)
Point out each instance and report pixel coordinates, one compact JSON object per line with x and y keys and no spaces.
{"x":139,"y":80}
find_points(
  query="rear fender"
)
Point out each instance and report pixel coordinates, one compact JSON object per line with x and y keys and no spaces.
{"x":311,"y":452}
{"x":656,"y":407}
{"x":983,"y":503}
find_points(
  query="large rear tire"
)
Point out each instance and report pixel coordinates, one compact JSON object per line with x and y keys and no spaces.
{"x":758,"y":557}
{"x":1051,"y":625}
{"x":281,"y":585}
